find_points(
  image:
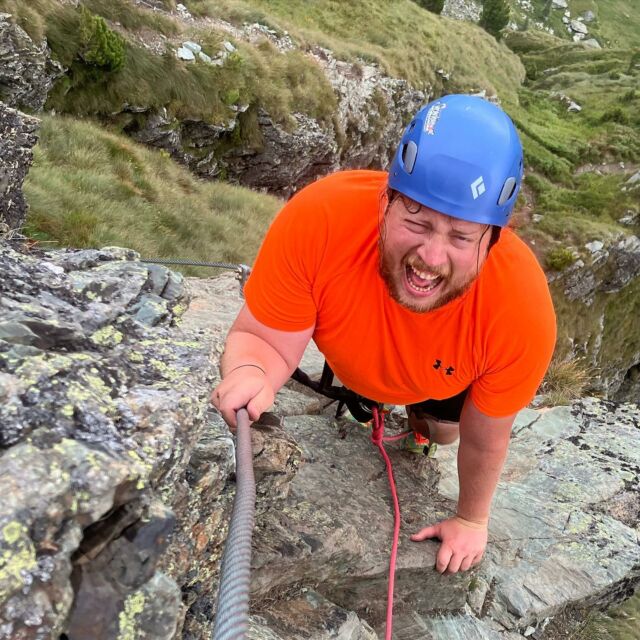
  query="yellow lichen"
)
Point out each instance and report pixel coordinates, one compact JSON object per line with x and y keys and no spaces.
{"x":67,"y":410}
{"x":16,"y":561}
{"x":12,"y":532}
{"x":107,"y":337}
{"x":133,"y":606}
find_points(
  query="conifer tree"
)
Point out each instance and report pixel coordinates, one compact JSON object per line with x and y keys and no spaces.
{"x":435,"y":6}
{"x":495,"y":17}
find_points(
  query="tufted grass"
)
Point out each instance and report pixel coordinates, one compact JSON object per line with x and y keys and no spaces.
{"x":565,"y":381}
{"x":92,"y":188}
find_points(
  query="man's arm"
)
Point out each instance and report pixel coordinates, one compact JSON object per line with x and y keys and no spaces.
{"x":257,"y":361}
{"x":483,"y":448}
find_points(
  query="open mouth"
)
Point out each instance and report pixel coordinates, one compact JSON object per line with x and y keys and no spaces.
{"x":422,"y":282}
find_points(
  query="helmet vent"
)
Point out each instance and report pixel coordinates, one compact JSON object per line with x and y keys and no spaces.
{"x":409,"y":154}
{"x":507,"y":190}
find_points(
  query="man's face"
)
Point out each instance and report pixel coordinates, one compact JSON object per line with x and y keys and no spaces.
{"x":427,"y":258}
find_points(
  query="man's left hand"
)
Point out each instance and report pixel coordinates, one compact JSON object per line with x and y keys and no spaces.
{"x":463,"y":543}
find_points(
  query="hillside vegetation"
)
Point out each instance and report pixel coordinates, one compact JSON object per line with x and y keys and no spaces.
{"x":92,"y":188}
{"x":407,"y":41}
{"x":616,"y":23}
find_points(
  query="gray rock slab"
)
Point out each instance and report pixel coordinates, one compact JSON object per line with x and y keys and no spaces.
{"x":563,"y":529}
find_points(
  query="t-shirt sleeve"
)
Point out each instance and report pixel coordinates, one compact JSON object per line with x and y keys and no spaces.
{"x":519,"y":348}
{"x":279,"y":291}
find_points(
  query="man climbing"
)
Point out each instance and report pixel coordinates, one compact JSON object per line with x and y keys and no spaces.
{"x":416,"y":294}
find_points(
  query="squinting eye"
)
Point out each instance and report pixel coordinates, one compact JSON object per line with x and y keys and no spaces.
{"x":462,"y":238}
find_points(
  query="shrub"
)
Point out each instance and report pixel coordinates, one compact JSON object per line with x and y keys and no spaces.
{"x":615,"y":114}
{"x":101,"y":47}
{"x":435,"y":6}
{"x":559,"y":258}
{"x":495,"y":17}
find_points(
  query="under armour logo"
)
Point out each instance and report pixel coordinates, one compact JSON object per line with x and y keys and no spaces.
{"x":448,"y":371}
{"x":477,"y":187}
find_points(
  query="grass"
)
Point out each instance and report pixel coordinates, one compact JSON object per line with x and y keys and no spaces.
{"x":565,"y":381}
{"x":617,"y":22}
{"x":91,"y":188}
{"x":406,"y":40}
{"x":253,"y":75}
{"x":620,"y":623}
{"x":576,"y":207}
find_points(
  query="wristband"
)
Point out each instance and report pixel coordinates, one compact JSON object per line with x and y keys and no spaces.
{"x":478,"y":526}
{"x":247,"y":365}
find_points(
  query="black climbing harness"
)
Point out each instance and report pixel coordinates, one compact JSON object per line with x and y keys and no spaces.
{"x":361,"y":408}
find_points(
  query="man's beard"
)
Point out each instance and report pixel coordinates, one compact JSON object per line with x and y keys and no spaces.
{"x":393,"y":278}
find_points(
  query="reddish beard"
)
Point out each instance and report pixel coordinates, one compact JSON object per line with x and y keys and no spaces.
{"x":393,"y":276}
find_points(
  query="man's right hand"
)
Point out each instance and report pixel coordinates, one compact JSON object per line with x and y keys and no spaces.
{"x":246,"y":386}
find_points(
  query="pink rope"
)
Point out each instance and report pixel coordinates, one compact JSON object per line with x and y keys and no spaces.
{"x":377,"y":437}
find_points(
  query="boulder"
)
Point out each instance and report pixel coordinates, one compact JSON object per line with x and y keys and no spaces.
{"x":578,"y":27}
{"x":592,"y":43}
{"x":469,"y":10}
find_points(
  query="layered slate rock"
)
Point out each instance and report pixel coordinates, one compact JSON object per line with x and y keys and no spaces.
{"x":564,"y":531}
{"x":117,"y":479}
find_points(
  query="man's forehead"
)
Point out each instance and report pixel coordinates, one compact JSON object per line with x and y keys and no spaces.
{"x":464,"y":226}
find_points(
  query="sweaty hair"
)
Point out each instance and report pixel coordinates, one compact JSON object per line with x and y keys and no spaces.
{"x":390,"y":195}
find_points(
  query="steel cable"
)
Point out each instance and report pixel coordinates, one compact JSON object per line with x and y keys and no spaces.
{"x":232,"y":615}
{"x":196,"y":263}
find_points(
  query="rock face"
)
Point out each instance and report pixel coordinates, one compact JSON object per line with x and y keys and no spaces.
{"x":27,"y":71}
{"x":371,"y":111}
{"x":462,"y":10}
{"x":18,"y":135}
{"x":117,"y":481}
{"x":100,"y":402}
{"x":604,"y":286}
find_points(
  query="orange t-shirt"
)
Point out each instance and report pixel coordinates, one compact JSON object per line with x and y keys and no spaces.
{"x":319,"y":264}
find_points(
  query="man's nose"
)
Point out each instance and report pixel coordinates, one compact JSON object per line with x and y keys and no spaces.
{"x":433,"y":250}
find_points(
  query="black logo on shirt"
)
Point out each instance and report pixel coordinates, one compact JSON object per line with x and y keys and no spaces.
{"x":448,"y":371}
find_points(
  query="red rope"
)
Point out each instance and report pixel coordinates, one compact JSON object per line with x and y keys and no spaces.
{"x":377,"y":437}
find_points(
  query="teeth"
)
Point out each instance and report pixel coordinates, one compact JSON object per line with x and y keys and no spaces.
{"x":423,"y":274}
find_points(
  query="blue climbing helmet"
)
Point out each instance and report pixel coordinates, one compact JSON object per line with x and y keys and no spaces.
{"x":462,"y":156}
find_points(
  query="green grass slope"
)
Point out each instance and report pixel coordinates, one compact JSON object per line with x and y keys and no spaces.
{"x":406,"y":40}
{"x":616,"y":23}
{"x":92,"y":188}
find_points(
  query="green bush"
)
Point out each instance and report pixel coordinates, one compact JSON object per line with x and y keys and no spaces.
{"x":435,"y":6}
{"x":495,"y":17}
{"x":559,"y":258}
{"x":615,"y":114}
{"x":101,"y":47}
